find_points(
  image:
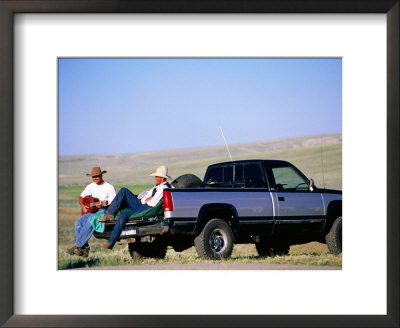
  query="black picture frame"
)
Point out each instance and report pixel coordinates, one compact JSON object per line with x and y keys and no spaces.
{"x":11,"y":7}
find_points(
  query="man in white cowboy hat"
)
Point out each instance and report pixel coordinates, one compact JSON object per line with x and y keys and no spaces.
{"x":101,"y":190}
{"x":126,"y":199}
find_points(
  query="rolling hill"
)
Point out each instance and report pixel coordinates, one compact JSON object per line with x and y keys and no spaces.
{"x":309,"y":153}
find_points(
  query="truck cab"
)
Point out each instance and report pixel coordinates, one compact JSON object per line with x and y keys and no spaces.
{"x":295,"y":203}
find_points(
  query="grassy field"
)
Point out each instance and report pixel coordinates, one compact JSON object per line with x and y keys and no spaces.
{"x":308,"y":254}
{"x":306,"y":155}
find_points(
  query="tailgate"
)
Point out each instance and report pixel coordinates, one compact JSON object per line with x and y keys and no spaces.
{"x":137,"y":228}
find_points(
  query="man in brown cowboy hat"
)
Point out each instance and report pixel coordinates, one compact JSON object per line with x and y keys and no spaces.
{"x":126,"y":199}
{"x":100,"y":189}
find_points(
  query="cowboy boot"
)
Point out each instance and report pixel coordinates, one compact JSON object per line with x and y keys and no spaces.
{"x":71,"y":250}
{"x":107,"y":245}
{"x":107,"y":217}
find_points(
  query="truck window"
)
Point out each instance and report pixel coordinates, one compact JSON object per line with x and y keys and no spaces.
{"x":228,"y":175}
{"x":286,"y":177}
{"x":238,"y":177}
{"x":253,"y":176}
{"x":221,"y":176}
{"x":214,"y":175}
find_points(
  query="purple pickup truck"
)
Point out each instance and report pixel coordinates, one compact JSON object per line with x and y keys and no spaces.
{"x":269,"y":203}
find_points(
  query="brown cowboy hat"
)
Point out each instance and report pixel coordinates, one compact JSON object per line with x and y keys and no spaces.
{"x":95,"y":171}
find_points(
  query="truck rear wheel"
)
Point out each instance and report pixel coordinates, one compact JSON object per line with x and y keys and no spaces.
{"x":334,"y":237}
{"x":215,"y":241}
{"x":157,"y":249}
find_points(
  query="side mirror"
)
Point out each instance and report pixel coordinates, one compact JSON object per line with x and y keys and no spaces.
{"x":311,"y":185}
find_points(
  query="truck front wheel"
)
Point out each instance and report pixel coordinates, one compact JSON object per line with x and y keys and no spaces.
{"x":215,"y":242}
{"x":334,"y":237}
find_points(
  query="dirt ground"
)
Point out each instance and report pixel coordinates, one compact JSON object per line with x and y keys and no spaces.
{"x":214,"y":266}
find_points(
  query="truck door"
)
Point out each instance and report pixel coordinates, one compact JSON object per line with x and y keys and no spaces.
{"x":244,"y":186}
{"x":256,"y":208}
{"x":297,"y":209}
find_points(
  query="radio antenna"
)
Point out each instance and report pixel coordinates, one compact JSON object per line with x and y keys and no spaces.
{"x":226,"y":144}
{"x":322,"y":163}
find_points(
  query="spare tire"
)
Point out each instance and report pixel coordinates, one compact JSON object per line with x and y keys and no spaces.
{"x":187,"y":181}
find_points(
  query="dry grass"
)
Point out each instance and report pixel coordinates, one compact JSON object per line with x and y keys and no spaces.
{"x":68,"y":216}
{"x":310,"y":254}
{"x":313,"y":248}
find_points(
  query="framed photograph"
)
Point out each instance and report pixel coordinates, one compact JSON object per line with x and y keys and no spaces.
{"x":364,"y":34}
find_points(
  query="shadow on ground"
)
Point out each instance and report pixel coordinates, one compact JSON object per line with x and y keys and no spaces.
{"x":81,"y":264}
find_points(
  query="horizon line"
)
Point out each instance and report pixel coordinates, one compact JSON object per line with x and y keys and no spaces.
{"x":199,"y":147}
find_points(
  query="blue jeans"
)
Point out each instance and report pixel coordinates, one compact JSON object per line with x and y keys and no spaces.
{"x":83,"y":229}
{"x":124,"y":199}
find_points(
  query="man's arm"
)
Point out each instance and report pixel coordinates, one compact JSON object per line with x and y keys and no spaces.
{"x":154,"y":199}
{"x":84,"y":208}
{"x":111,"y":194}
{"x":145,"y":193}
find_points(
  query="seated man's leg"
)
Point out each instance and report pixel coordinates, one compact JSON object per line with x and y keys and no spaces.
{"x":124,"y":198}
{"x":119,"y":226}
{"x":83,"y":230}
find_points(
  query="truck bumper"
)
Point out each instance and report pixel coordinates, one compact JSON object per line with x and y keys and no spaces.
{"x":137,"y":228}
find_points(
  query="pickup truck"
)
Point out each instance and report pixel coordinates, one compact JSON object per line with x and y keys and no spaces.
{"x":269,"y":203}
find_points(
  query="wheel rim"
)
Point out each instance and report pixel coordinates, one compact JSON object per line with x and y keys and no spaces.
{"x":217,"y":241}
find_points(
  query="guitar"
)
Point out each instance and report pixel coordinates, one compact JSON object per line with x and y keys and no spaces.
{"x":91,"y":202}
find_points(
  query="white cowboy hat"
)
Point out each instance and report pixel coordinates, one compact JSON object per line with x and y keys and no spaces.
{"x":161,"y":171}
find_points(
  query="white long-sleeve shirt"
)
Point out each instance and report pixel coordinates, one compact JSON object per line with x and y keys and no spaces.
{"x":156,"y":197}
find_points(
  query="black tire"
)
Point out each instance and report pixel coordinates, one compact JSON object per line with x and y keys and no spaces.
{"x":334,"y":237}
{"x":267,"y":247}
{"x":157,"y":250}
{"x":215,"y":241}
{"x":187,"y":181}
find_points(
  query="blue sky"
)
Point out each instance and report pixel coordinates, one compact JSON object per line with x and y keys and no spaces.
{"x":132,"y":105}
